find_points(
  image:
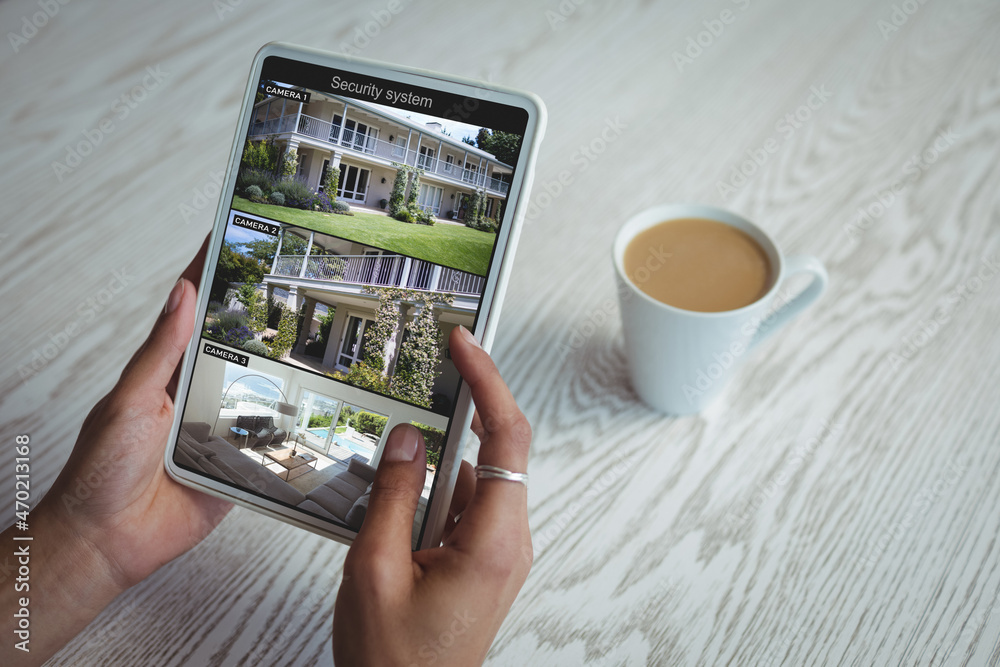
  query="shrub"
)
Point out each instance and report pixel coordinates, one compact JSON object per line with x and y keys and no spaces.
{"x":325,"y":322}
{"x":297,"y":194}
{"x":332,"y":183}
{"x":366,"y":422}
{"x":238,"y":336}
{"x":261,"y":155}
{"x":284,"y":340}
{"x":367,"y":377}
{"x":403,"y":215}
{"x":264,"y":180}
{"x":319,"y":421}
{"x":245,"y":294}
{"x":433,"y":458}
{"x":421,"y":216}
{"x":289,"y":164}
{"x":382,"y":203}
{"x":345,"y":415}
{"x":398,"y":190}
{"x":256,"y":347}
{"x":411,"y":199}
{"x":254,"y":193}
{"x":341,"y":207}
{"x":230,"y":319}
{"x":277,"y":198}
{"x":274,"y":310}
{"x":417,"y":366}
{"x":433,"y":438}
{"x":257,"y":313}
{"x":321,"y":202}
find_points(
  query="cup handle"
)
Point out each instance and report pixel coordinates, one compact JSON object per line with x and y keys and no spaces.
{"x":788,"y":312}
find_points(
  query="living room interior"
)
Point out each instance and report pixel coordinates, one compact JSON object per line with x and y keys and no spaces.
{"x":291,"y":435}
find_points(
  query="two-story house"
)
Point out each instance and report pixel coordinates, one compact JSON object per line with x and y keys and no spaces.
{"x":364,"y":140}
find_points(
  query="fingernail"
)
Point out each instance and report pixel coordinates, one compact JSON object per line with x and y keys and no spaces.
{"x":467,"y":335}
{"x":174,"y":299}
{"x":402,"y":444}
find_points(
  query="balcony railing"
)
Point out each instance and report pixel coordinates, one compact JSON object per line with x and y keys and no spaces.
{"x":347,"y":138}
{"x":382,"y":271}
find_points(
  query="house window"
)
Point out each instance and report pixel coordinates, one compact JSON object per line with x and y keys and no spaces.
{"x":353,"y":183}
{"x":352,"y":347}
{"x":324,"y":173}
{"x":426,"y":157}
{"x":359,"y":136}
{"x":335,"y":128}
{"x":429,"y":198}
{"x":399,"y":149}
{"x":247,"y":393}
{"x":449,"y":164}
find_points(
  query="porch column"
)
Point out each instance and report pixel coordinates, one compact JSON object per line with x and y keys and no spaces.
{"x":406,"y":155}
{"x":461,"y":174}
{"x":335,"y":160}
{"x":407,"y":263}
{"x":283,"y":100}
{"x":298,"y":116}
{"x":416,"y":156}
{"x":270,"y":291}
{"x":277,"y":251}
{"x":305,"y":260}
{"x":293,"y":298}
{"x":300,"y":345}
{"x":435,"y":278}
{"x":437,"y":162}
{"x":343,"y":122}
{"x":482,"y":173}
{"x":335,"y":338}
{"x":395,"y":342}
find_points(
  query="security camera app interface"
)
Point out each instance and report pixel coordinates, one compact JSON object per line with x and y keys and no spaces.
{"x":361,"y":230}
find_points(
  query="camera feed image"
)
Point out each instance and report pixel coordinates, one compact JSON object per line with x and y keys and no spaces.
{"x":359,"y":236}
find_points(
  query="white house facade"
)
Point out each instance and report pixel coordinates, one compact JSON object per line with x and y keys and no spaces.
{"x":364,"y":140}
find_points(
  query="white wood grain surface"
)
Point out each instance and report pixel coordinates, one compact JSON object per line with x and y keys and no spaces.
{"x":834,"y":508}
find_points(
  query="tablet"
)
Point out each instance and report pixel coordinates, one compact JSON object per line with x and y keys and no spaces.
{"x":367,"y":210}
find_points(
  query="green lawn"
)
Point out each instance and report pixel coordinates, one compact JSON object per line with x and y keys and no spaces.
{"x":458,"y":247}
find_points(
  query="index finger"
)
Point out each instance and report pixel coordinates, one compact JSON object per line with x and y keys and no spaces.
{"x":498,"y":506}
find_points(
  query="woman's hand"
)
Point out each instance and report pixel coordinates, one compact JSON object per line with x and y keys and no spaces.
{"x":113,"y":515}
{"x":440,"y":606}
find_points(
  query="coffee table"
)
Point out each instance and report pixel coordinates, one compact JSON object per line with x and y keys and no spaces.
{"x":299,"y":464}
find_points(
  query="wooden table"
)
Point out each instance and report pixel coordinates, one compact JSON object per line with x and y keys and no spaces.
{"x":839,"y":505}
{"x":291,"y":462}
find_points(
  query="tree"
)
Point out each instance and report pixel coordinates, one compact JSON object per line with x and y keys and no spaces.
{"x":504,"y":146}
{"x":235,"y":267}
{"x":263,"y":249}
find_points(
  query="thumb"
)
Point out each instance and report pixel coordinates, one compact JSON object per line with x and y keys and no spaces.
{"x":398,"y":482}
{"x":156,"y":361}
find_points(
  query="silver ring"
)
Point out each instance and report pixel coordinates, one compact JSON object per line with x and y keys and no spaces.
{"x":493,"y":472}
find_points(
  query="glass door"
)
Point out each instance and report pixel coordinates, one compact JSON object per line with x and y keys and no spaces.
{"x":352,"y":347}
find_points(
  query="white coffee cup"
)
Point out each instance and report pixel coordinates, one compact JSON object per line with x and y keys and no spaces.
{"x":679,"y":360}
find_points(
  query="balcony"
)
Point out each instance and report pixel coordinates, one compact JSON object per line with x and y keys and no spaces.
{"x":346,"y":138}
{"x":380,"y":271}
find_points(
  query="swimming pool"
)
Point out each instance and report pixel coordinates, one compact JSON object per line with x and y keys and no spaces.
{"x":342,"y":442}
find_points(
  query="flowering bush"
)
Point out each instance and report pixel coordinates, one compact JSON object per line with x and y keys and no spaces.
{"x":238,"y":336}
{"x":417,"y":367}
